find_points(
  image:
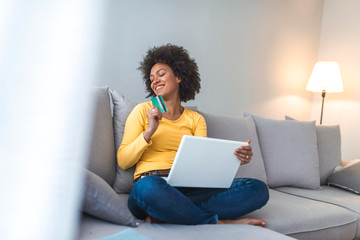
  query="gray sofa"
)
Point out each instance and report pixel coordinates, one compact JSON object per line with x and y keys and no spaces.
{"x":296,"y":159}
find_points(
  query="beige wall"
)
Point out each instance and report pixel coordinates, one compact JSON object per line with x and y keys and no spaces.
{"x":253,"y":56}
{"x":340,"y":41}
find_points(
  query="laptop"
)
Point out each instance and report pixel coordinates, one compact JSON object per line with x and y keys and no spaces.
{"x":204,"y":162}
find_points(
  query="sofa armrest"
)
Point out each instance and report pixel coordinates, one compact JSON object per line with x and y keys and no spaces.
{"x":347,"y":178}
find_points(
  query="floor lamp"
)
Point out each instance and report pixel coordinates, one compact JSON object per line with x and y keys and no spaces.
{"x":324,"y":78}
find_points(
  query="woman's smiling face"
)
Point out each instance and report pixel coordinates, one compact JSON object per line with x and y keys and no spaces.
{"x":163,"y":80}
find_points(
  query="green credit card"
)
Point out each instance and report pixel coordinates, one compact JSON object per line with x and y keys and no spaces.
{"x":158,"y":101}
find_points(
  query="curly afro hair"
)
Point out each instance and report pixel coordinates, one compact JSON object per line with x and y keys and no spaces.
{"x":178,"y":59}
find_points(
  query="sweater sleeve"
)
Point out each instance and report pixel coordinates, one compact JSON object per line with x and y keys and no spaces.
{"x":133,"y":144}
{"x":200,"y":127}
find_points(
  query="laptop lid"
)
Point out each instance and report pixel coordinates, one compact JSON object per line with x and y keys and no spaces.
{"x":204,"y":162}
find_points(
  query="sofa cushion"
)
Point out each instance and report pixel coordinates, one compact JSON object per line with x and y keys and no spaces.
{"x":101,"y":201}
{"x":335,"y":196}
{"x":92,"y":228}
{"x":238,"y":129}
{"x":347,"y":178}
{"x":329,"y":149}
{"x":102,"y":152}
{"x":303,"y":218}
{"x":289,"y":151}
{"x":121,"y":109}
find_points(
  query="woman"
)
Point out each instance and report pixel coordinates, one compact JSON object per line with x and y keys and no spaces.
{"x":150,"y":142}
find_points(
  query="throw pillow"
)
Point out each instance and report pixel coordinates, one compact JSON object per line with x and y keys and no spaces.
{"x":102,"y":202}
{"x":238,"y":129}
{"x":348,"y":178}
{"x":329,"y":149}
{"x":121,"y":109}
{"x":289,"y":151}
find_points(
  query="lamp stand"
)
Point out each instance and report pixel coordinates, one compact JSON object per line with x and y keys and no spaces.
{"x":322,"y":105}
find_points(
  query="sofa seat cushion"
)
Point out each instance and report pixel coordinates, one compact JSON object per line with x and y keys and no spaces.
{"x":91,"y":228}
{"x":303,"y":218}
{"x":347,"y":200}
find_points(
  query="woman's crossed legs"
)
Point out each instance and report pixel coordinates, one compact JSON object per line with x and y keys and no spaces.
{"x":152,"y":196}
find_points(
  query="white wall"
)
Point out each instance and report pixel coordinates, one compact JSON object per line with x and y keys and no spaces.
{"x":253,"y":56}
{"x":340,"y":41}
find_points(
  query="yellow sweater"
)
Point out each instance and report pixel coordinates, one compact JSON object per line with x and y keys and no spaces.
{"x":160,"y":152}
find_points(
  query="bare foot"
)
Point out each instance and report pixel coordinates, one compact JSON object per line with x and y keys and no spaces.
{"x":249,"y":221}
{"x":150,"y":219}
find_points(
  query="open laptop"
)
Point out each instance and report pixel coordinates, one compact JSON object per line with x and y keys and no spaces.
{"x":204,"y":162}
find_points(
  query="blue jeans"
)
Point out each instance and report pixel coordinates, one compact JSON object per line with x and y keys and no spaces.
{"x":153,"y":196}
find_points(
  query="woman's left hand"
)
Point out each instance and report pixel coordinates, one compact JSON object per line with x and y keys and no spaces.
{"x":244,"y":153}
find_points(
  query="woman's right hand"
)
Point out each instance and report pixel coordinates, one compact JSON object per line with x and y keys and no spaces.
{"x":153,"y":116}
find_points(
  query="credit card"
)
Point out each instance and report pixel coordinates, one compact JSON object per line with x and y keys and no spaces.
{"x":158,"y":101}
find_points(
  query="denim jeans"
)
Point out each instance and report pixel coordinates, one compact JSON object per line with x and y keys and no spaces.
{"x":153,"y":196}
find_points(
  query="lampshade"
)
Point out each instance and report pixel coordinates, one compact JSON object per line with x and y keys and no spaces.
{"x":325,"y":76}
